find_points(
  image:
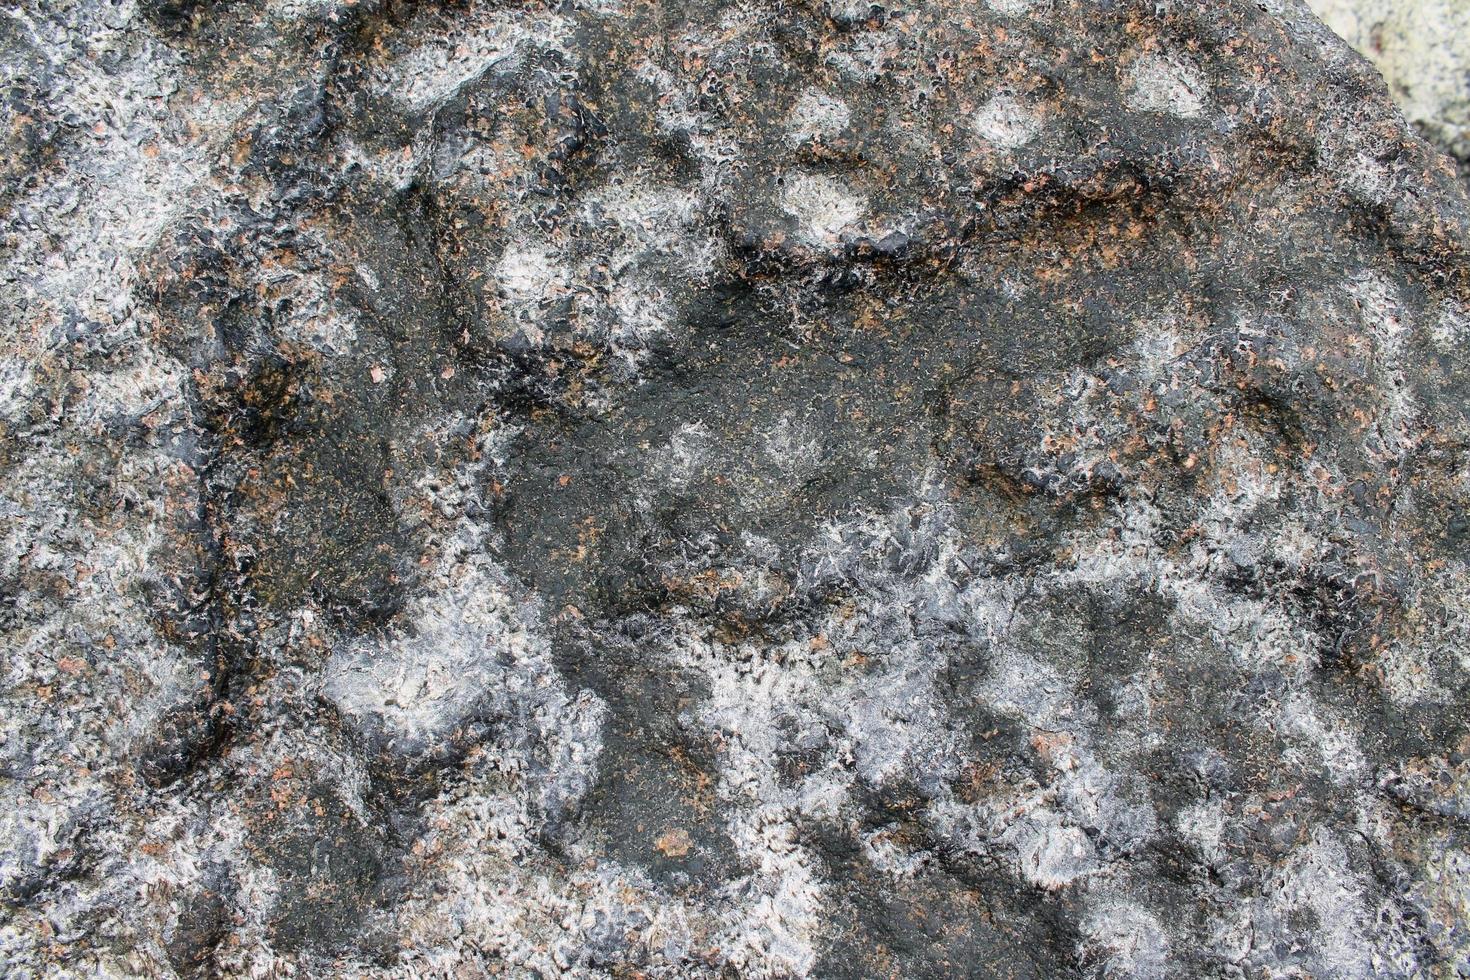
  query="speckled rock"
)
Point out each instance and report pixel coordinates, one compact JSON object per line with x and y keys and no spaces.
{"x":1422,"y":47}
{"x":807,"y":489}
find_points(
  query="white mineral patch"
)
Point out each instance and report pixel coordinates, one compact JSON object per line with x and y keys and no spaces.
{"x":1381,"y":310}
{"x":775,"y":928}
{"x":1202,"y":824}
{"x":1451,"y":328}
{"x":824,"y":206}
{"x":795,"y":448}
{"x":655,"y":217}
{"x":675,"y":114}
{"x":148,"y":382}
{"x":1031,"y":689}
{"x":1333,"y":741}
{"x":899,"y":731}
{"x":866,"y":56}
{"x":641,"y":312}
{"x":451,"y":655}
{"x":686,"y":455}
{"x":817,"y":115}
{"x":1319,"y":877}
{"x":1006,"y":123}
{"x":317,"y":319}
{"x":1357,"y":165}
{"x":16,"y":379}
{"x":1123,"y":939}
{"x":659,"y":243}
{"x":1050,"y":855}
{"x":441,"y":66}
{"x":882,"y":851}
{"x":531,"y":274}
{"x":1013,"y":8}
{"x":1167,"y":83}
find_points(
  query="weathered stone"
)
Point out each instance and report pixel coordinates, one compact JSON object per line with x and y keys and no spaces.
{"x":1422,"y":47}
{"x":685,"y":489}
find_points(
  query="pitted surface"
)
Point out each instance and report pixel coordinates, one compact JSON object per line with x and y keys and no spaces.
{"x":684,"y":489}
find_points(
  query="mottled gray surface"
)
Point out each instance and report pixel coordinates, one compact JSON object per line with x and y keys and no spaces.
{"x":728,"y":490}
{"x":1422,"y":47}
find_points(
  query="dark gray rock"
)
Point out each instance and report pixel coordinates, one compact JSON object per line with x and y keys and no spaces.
{"x":686,"y":489}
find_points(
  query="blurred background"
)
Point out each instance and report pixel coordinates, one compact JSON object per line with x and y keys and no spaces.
{"x":1422,"y":47}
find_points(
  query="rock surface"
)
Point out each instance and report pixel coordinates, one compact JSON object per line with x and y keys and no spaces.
{"x":1422,"y":47}
{"x":697,"y":489}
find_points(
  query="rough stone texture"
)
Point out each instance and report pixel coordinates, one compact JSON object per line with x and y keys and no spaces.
{"x":1422,"y":47}
{"x":704,"y":489}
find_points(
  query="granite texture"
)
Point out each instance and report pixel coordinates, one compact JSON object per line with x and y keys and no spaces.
{"x":689,"y":489}
{"x":1422,"y":47}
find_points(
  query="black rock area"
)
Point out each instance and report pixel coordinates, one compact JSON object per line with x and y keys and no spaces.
{"x":619,"y":488}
